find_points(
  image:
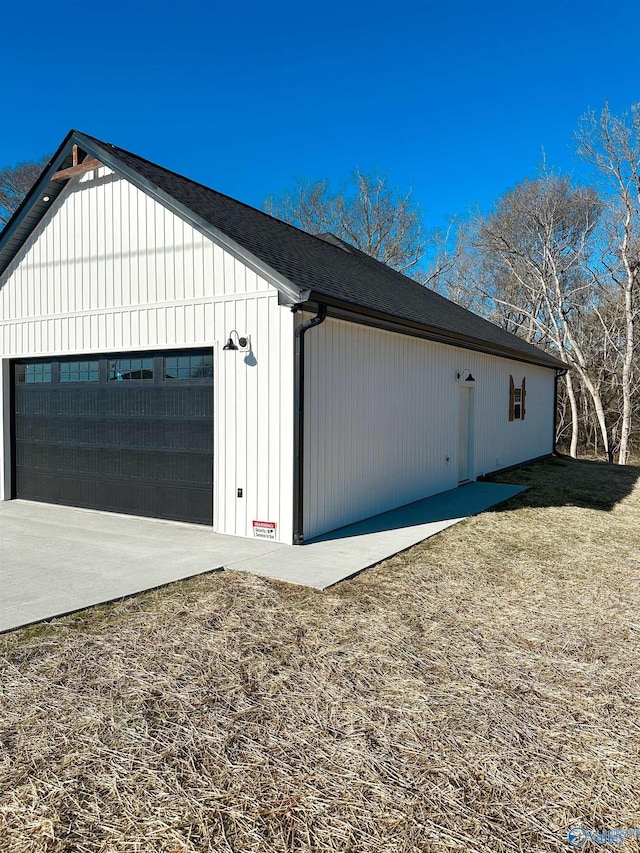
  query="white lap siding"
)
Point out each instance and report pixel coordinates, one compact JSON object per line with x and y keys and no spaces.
{"x":110,"y":269}
{"x":382,"y":420}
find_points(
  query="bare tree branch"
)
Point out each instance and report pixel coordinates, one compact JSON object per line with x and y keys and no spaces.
{"x":15,"y":183}
{"x":374,"y":218}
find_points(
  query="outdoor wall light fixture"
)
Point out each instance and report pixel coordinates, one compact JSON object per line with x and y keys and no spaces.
{"x":462,"y":378}
{"x":242,"y":342}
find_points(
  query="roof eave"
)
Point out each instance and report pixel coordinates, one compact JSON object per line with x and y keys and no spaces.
{"x":378,"y":319}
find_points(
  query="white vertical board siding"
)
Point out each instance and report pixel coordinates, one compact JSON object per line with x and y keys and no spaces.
{"x":111,"y":269}
{"x":381,"y":418}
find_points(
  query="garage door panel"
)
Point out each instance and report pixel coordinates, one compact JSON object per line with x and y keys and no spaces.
{"x":34,"y":403}
{"x":53,"y":429}
{"x":112,"y":463}
{"x":82,"y":431}
{"x":147,"y":499}
{"x":72,"y":401}
{"x":122,"y":446}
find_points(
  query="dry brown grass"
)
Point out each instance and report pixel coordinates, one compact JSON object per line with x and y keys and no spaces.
{"x":477,"y":693}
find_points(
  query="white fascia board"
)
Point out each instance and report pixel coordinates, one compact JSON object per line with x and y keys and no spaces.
{"x":290,"y":294}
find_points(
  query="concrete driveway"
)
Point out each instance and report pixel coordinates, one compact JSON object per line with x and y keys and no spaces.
{"x":54,"y":559}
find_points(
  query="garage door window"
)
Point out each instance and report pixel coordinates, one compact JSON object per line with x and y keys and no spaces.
{"x":188,"y":367}
{"x":33,"y":372}
{"x":79,"y":371}
{"x":130,"y":370}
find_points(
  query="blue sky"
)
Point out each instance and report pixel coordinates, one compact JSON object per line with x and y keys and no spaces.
{"x":456,"y":100}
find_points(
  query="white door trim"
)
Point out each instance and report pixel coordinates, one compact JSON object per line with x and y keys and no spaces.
{"x":465,"y":433}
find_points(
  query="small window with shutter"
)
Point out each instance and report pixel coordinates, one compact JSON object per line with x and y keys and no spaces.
{"x":517,"y":395}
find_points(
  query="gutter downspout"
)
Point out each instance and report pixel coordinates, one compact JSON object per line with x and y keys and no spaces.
{"x":298,"y":424}
{"x":558,"y":374}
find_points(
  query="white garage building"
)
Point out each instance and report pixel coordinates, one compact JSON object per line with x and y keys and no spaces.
{"x":168,"y":351}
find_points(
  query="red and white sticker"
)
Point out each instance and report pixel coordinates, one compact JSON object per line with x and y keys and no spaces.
{"x":264,"y":529}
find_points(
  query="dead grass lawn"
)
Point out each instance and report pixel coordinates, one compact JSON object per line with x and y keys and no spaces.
{"x":479,"y":692}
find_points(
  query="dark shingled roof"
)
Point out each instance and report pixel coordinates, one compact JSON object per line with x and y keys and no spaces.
{"x":327,"y":270}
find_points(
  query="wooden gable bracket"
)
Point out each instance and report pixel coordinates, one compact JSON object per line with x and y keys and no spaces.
{"x":77,"y":168}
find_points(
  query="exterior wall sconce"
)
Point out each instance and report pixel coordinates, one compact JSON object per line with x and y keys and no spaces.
{"x":242,"y":344}
{"x":462,"y":378}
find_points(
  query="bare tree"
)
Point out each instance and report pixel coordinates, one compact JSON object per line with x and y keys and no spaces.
{"x":560,"y":266}
{"x":372,"y":216}
{"x":533,"y":251}
{"x":612,"y":145}
{"x":462,"y":280}
{"x":15,"y":183}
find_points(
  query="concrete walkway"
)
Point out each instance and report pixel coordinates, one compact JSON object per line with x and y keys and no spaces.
{"x":331,"y":558}
{"x":55,"y":560}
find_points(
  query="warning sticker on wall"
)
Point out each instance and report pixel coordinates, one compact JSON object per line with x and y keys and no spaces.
{"x":264,"y":529}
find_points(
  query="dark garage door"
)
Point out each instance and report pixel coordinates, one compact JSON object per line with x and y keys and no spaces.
{"x":128,"y":433}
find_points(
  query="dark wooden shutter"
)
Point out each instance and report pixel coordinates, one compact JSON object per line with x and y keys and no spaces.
{"x":512,"y":395}
{"x":524,"y":396}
